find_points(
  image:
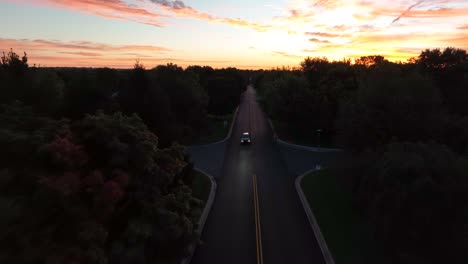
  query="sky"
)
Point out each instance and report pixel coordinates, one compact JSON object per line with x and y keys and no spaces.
{"x":247,"y":34}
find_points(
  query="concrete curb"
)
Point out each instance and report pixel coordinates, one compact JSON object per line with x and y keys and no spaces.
{"x":314,"y":149}
{"x":234,"y":117}
{"x":228,"y":135}
{"x":313,"y":222}
{"x":204,"y":216}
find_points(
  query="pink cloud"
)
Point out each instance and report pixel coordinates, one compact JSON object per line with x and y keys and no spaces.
{"x":180,"y":9}
{"x":114,"y":9}
{"x":40,"y":44}
{"x":50,"y":53}
{"x":320,"y":41}
{"x":80,"y":53}
{"x":121,"y":10}
{"x":323,"y":34}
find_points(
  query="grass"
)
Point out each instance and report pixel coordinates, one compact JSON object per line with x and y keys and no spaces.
{"x":346,"y":233}
{"x":284,"y":133}
{"x":201,"y":186}
{"x":216,"y":130}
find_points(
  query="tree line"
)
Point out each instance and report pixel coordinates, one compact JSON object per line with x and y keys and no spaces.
{"x":92,"y":169}
{"x":404,"y":127}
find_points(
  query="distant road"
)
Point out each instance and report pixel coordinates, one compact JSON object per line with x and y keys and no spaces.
{"x":257,"y":216}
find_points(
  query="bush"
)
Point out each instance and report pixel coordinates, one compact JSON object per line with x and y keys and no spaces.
{"x":98,"y":190}
{"x":415,"y":197}
{"x":390,"y":105}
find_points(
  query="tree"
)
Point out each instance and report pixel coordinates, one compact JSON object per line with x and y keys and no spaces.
{"x":390,"y":105}
{"x":436,"y":59}
{"x":223,"y":88}
{"x":414,"y":195}
{"x":98,"y":190}
{"x":368,"y":61}
{"x":314,"y":69}
{"x":14,"y":81}
{"x":13,"y":63}
{"x":47,"y":92}
{"x":448,"y":69}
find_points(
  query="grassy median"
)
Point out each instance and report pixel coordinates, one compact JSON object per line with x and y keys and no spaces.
{"x":347,"y":235}
{"x":201,"y":186}
{"x":284,"y":132}
{"x":217,"y":129}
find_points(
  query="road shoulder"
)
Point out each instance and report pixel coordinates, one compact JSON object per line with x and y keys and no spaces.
{"x":312,"y":220}
{"x":313,"y":149}
{"x":205,"y":213}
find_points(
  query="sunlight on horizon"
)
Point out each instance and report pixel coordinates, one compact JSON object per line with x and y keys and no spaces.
{"x":264,"y":34}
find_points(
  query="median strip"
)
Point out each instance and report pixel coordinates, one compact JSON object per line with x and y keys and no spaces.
{"x":258,"y":226}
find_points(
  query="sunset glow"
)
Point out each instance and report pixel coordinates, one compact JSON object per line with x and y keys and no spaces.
{"x":239,"y":33}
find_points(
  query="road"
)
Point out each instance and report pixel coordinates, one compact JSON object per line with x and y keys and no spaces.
{"x":300,"y":160}
{"x":257,"y":216}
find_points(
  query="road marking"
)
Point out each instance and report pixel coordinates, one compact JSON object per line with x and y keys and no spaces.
{"x":258,"y":226}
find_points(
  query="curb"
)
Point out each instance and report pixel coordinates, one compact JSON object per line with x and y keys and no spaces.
{"x":315,"y":149}
{"x":204,"y":216}
{"x":313,"y":222}
{"x":308,"y":148}
{"x":234,"y":117}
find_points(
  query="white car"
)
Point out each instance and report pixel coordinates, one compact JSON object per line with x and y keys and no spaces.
{"x":245,"y":138}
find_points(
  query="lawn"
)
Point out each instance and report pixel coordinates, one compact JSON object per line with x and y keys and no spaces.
{"x":201,"y":186}
{"x":288,"y":135}
{"x":216,"y":129}
{"x":347,"y":235}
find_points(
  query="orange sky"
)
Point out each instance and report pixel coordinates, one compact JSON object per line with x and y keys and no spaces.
{"x":264,"y":34}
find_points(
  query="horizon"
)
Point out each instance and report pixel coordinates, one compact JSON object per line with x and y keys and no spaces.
{"x":228,"y":33}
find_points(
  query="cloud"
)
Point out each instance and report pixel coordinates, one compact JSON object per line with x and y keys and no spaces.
{"x":409,"y":50}
{"x":320,"y":41}
{"x":286,"y":54}
{"x":114,"y":9}
{"x":171,"y":4}
{"x":295,"y":13}
{"x":52,"y":53}
{"x":179,"y":8}
{"x":76,"y":47}
{"x":140,"y":12}
{"x":458,"y":41}
{"x":407,"y":11}
{"x":322,"y":34}
{"x":340,"y":27}
{"x":80,"y":53}
{"x":334,"y":28}
{"x":327,"y":4}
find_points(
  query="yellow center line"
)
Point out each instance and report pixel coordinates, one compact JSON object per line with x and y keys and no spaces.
{"x":258,"y":226}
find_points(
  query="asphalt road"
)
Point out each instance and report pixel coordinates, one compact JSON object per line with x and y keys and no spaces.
{"x":209,"y":158}
{"x":300,"y":160}
{"x":257,"y":211}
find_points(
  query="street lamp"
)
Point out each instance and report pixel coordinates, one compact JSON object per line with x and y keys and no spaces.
{"x":318,"y":137}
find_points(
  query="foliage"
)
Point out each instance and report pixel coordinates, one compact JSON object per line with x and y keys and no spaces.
{"x":223,"y":87}
{"x":448,"y":68}
{"x":13,"y":72}
{"x":307,"y":100}
{"x":390,"y":105}
{"x":414,"y":195}
{"x":170,"y":101}
{"x":98,"y":191}
{"x":406,"y":127}
{"x":173,"y":102}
